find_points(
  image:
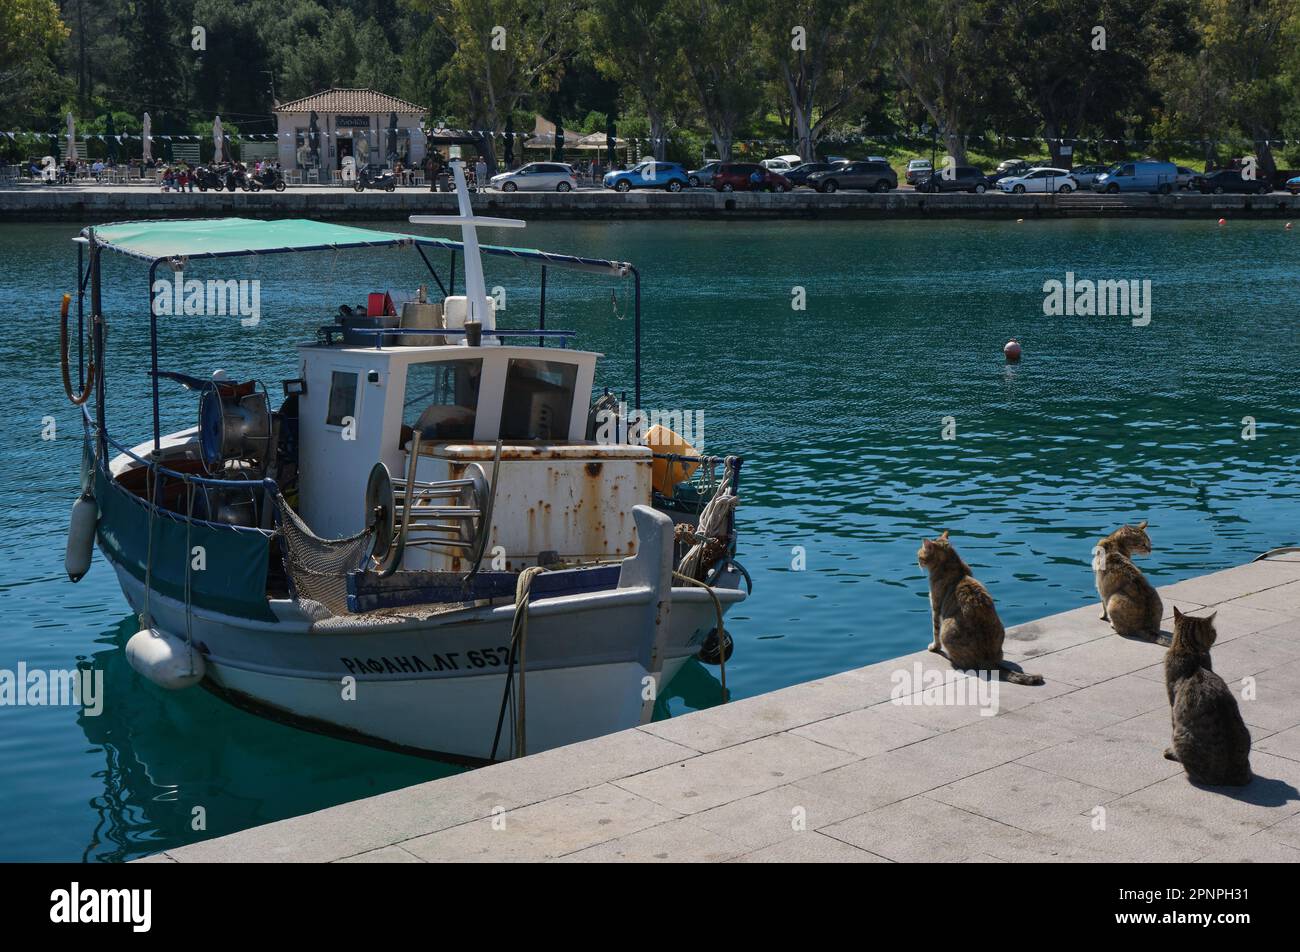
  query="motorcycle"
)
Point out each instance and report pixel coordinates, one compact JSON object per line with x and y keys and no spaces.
{"x":209,"y":177}
{"x":373,"y":177}
{"x":270,"y":178}
{"x":237,"y":177}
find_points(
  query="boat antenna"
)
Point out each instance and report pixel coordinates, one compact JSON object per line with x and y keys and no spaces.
{"x":475,"y":285}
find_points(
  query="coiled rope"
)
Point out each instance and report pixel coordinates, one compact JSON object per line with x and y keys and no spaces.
{"x":77,"y":398}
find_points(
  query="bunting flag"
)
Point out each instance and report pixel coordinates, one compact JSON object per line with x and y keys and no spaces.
{"x":830,"y":139}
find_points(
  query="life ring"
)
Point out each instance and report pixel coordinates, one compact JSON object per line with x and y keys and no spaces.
{"x":80,"y":398}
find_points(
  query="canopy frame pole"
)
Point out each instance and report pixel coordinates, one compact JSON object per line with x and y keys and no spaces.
{"x":636,"y":277}
{"x":97,"y":324}
{"x":82,"y":275}
{"x":541,"y":317}
{"x":451,"y":278}
{"x":153,"y":356}
{"x":428,"y":264}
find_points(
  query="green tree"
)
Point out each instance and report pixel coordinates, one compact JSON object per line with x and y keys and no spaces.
{"x":718,"y":44}
{"x":632,"y":41}
{"x":31,"y":33}
{"x":505,"y":52}
{"x":938,"y":53}
{"x":823,"y":53}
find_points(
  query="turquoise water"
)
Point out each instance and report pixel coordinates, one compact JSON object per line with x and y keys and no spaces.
{"x":838,"y":409}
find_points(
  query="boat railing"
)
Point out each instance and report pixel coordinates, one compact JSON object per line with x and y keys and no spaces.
{"x":327,"y":334}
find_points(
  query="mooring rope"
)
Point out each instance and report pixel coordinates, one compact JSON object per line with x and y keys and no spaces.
{"x":517,"y":653}
{"x":189,"y":564}
{"x":722,"y":635}
{"x":146,"y":619}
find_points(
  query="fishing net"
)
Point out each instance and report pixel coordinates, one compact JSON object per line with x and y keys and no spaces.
{"x":318,"y":568}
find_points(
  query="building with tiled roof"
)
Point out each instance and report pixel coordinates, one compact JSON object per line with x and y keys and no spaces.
{"x":356,"y":123}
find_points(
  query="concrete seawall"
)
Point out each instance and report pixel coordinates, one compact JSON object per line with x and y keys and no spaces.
{"x":854,"y":768}
{"x":89,"y":204}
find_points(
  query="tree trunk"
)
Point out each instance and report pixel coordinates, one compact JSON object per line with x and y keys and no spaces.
{"x":657,"y":143}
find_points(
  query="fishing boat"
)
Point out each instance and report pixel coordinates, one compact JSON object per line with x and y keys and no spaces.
{"x":443,"y":540}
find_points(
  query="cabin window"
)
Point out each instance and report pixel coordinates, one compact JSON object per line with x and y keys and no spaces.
{"x":343,"y":397}
{"x":442,"y":398}
{"x":538,"y":400}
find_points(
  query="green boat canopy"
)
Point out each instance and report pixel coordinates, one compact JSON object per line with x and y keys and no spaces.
{"x":228,"y":237}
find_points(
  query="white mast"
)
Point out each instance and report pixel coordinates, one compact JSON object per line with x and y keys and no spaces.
{"x":475,"y":286}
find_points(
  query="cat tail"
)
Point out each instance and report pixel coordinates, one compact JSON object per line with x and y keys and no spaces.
{"x":1018,"y":677}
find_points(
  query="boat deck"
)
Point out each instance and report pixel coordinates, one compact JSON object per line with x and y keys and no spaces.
{"x":834,"y":770}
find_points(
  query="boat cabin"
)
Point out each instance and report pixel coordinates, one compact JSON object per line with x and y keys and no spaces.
{"x":558,"y":491}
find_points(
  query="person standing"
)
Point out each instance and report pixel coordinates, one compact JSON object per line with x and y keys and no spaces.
{"x":480,"y":175}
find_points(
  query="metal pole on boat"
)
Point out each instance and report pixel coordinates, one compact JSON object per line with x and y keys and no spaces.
{"x":97,"y":325}
{"x":153,"y":357}
{"x":636,"y":277}
{"x":81,"y":321}
{"x":541,"y":320}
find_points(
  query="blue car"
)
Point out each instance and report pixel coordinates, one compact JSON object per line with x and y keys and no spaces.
{"x":648,"y":174}
{"x":1293,"y":185}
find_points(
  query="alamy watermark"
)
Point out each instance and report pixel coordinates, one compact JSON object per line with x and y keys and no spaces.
{"x":72,"y":687}
{"x":944,"y":687}
{"x":622,"y":426}
{"x":1105,"y":298}
{"x":176,"y":296}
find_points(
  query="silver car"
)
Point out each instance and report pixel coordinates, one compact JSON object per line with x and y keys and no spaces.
{"x":537,"y":177}
{"x":703,"y":176}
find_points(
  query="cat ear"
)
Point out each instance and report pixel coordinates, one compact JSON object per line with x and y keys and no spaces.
{"x":1178,"y":616}
{"x":1142,"y":524}
{"x":927,"y":544}
{"x":944,"y":537}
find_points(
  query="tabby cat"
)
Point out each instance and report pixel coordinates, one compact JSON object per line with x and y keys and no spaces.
{"x":966,"y":623}
{"x":1128,"y":601}
{"x":1211,"y":740}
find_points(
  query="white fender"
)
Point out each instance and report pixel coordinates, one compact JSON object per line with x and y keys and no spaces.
{"x":81,"y":537}
{"x":166,"y":661}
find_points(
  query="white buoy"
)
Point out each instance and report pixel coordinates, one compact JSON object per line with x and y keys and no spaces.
{"x":1012,"y":351}
{"x":166,"y":661}
{"x":81,"y":537}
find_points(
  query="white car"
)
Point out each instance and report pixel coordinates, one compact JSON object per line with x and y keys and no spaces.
{"x":536,"y":177}
{"x":782,"y":163}
{"x":1039,"y":180}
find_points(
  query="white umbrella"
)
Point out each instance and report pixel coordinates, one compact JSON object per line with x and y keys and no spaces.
{"x":147,"y":135}
{"x":72,"y":138}
{"x":218,"y":152}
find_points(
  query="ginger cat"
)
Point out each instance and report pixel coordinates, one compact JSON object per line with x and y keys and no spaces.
{"x":1211,"y":740}
{"x":966,"y":623}
{"x":1128,"y":601}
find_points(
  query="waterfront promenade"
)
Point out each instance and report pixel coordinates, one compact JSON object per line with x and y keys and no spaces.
{"x":843,"y":770}
{"x":99,"y":203}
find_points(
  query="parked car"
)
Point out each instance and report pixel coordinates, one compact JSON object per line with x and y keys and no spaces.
{"x":1293,"y":185}
{"x":1146,"y":175}
{"x":1186,"y":176}
{"x":918,"y":169}
{"x":1010,"y":167}
{"x":1230,"y":180}
{"x":648,"y":173}
{"x":799,"y":175}
{"x":1085,"y":175}
{"x":749,"y":177}
{"x":1039,"y":180}
{"x":782,"y":163}
{"x":873,"y":176}
{"x":703,"y":175}
{"x":964,"y":178}
{"x":536,"y":177}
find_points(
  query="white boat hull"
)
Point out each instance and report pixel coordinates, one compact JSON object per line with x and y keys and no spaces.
{"x":434,"y":684}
